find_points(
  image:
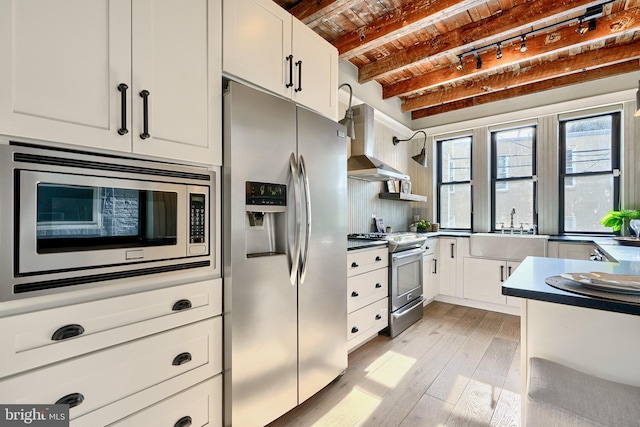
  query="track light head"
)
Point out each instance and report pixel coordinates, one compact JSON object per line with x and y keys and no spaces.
{"x":499,"y":52}
{"x":478,"y":60}
{"x":460,"y":65}
{"x":523,"y":45}
{"x":581,"y":28}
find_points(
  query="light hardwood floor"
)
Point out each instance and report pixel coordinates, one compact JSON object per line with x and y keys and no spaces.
{"x":458,"y":366}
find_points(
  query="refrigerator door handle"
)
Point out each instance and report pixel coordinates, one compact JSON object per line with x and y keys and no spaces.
{"x":295,"y":257}
{"x":307,"y":193}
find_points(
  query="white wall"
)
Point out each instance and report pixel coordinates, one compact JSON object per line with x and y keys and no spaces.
{"x":542,"y":109}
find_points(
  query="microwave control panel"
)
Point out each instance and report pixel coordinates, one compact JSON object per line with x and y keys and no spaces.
{"x":198,"y":215}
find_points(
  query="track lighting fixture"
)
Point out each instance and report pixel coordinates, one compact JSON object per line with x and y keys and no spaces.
{"x":523,"y":45}
{"x":586,"y":22}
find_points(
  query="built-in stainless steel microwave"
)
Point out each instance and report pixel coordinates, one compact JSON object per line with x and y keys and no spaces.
{"x":71,"y":219}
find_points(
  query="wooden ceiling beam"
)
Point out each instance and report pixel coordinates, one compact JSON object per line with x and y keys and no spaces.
{"x":311,"y":11}
{"x":398,"y":23}
{"x":537,"y":47}
{"x":571,"y":79}
{"x":535,"y":73}
{"x":516,"y":20}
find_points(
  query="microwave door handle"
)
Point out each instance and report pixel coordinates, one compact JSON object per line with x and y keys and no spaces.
{"x":295,"y":257}
{"x":307,"y":193}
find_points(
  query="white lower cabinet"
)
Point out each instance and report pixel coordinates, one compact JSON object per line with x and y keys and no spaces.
{"x":430,"y":283}
{"x":483,"y":279}
{"x":197,"y":406}
{"x":29,"y":340}
{"x":98,"y":379}
{"x":367,"y":294}
{"x":366,"y":322}
{"x":448,"y":265}
{"x":571,"y":250}
{"x":121,"y":355}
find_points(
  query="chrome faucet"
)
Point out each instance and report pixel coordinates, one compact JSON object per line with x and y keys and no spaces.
{"x":513,"y":212}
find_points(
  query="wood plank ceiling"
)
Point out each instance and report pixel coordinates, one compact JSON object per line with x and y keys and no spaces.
{"x":443,"y":55}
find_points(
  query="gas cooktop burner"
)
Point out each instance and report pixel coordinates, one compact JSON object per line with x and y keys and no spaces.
{"x":398,"y":241}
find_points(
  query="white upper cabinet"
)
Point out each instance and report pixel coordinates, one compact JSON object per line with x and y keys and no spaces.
{"x":174,"y":47}
{"x":266,"y":46}
{"x":72,"y":72}
{"x":315,"y":71}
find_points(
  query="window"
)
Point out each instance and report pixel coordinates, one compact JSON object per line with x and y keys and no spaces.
{"x":454,"y":183}
{"x":589,"y":172}
{"x":512,"y":178}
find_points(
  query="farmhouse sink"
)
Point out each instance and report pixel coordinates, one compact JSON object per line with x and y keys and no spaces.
{"x":507,"y":246}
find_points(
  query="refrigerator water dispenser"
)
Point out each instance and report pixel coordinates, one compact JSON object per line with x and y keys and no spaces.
{"x":265,"y":221}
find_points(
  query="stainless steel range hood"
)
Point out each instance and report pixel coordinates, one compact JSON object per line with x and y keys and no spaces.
{"x":362,"y":165}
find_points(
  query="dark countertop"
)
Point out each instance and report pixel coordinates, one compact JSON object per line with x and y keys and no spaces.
{"x":528,"y":281}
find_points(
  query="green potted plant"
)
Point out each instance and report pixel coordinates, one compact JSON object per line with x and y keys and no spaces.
{"x":423,"y":226}
{"x":619,"y":220}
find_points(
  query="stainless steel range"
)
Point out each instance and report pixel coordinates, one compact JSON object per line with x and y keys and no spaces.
{"x":405,"y":277}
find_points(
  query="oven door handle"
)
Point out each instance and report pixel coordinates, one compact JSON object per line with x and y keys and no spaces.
{"x":407,"y":254}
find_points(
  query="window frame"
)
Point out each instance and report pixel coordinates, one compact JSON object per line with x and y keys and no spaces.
{"x":451,"y":184}
{"x":615,"y":171}
{"x":495,"y":179}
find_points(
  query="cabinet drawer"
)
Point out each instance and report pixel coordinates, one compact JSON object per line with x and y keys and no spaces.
{"x":107,"y":376}
{"x":359,"y":262}
{"x":371,"y":318}
{"x":27,"y":338}
{"x":366,"y":288}
{"x":201,"y":404}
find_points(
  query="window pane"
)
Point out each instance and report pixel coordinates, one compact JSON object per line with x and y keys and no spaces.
{"x":456,"y":159}
{"x":455,"y":206}
{"x":586,"y":200}
{"x":519,"y":196}
{"x":588,"y":145}
{"x":514,"y":153}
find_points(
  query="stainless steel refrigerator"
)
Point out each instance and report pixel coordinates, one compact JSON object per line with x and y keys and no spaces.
{"x":285,"y":222}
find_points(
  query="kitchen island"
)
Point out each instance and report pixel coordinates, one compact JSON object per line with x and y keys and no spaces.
{"x":596,"y":336}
